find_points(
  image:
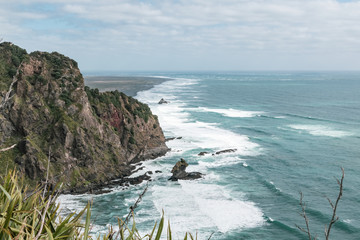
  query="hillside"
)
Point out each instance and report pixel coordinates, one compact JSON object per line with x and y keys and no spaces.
{"x":93,"y":137}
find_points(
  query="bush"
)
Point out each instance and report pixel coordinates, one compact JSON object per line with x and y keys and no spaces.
{"x":65,"y":96}
{"x":35,"y":216}
{"x":132,"y":140}
{"x":38,"y":216}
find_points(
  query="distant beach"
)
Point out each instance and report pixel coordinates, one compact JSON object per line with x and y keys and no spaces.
{"x":128,"y":85}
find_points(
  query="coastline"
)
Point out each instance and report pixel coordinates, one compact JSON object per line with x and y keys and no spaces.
{"x":130,"y":85}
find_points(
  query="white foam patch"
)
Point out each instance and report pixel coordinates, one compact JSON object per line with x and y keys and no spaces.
{"x":187,"y":205}
{"x":234,"y":113}
{"x":177,"y":122}
{"x":347,"y":221}
{"x":195,"y":206}
{"x":320,"y":130}
{"x":219,"y":161}
{"x":72,"y":203}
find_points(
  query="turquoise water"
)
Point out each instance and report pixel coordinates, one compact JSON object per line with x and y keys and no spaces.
{"x":292,"y":131}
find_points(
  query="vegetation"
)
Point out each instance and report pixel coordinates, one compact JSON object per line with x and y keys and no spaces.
{"x":11,"y":57}
{"x":37,"y":215}
{"x":65,"y":96}
{"x":334,"y":217}
{"x":96,"y":97}
{"x":118,"y":99}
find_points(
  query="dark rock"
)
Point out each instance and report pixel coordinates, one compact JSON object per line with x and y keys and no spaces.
{"x":203,"y":153}
{"x":137,"y":180}
{"x":193,"y":175}
{"x":158,"y":171}
{"x":139,"y":169}
{"x":162,"y":101}
{"x":225,"y":151}
{"x":179,"y":172}
{"x":172,"y":138}
{"x":99,"y":191}
{"x":149,"y":172}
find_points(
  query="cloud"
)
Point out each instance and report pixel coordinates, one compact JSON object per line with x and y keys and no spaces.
{"x":230,"y":29}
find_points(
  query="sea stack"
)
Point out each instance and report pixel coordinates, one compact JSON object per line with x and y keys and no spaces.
{"x":179,"y":172}
{"x":162,"y":101}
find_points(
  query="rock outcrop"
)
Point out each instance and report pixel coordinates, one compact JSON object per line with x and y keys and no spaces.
{"x":225,"y":151}
{"x":203,"y":153}
{"x":92,"y":137}
{"x":172,"y":138}
{"x":179,"y":172}
{"x":162,"y":101}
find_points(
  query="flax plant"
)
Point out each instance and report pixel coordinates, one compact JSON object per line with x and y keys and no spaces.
{"x":36,"y":215}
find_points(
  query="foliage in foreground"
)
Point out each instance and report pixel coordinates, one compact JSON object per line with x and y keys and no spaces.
{"x":36,"y":215}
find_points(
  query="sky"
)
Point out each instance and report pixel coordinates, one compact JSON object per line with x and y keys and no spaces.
{"x":189,"y":35}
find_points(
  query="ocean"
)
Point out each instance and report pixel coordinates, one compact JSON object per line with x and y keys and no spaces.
{"x":292,"y":131}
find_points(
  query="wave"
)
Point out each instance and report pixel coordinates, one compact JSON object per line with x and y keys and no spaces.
{"x":312,"y":118}
{"x":165,"y":77}
{"x":176,"y":121}
{"x":321,"y":130}
{"x":188,"y":205}
{"x":230,"y":112}
{"x":221,"y":161}
{"x":256,"y":130}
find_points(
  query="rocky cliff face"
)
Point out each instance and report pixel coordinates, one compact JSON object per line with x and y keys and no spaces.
{"x":92,"y":137}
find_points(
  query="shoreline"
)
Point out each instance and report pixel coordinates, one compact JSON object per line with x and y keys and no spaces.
{"x":108,"y":186}
{"x":130,"y":85}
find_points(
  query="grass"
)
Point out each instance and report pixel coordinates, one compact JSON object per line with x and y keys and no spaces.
{"x":36,"y":215}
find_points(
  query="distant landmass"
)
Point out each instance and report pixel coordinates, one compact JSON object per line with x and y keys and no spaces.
{"x":128,"y":85}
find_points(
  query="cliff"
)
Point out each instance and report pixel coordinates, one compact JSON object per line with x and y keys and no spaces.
{"x":93,"y":137}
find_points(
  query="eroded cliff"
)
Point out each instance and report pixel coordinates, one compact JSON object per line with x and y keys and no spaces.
{"x":92,"y":136}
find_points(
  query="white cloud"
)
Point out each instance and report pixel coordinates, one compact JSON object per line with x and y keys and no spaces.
{"x":230,"y":29}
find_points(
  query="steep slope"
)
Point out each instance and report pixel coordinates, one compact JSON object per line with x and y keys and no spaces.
{"x":92,"y":137}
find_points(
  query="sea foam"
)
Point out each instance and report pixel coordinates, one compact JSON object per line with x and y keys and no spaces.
{"x":176,"y":121}
{"x":230,"y":112}
{"x":195,"y":205}
{"x":188,"y":205}
{"x":320,"y":130}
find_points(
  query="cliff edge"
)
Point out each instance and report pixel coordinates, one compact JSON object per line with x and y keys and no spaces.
{"x":92,"y":136}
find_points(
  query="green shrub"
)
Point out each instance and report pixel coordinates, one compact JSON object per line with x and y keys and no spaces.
{"x":35,"y":216}
{"x":38,"y":216}
{"x":65,"y":96}
{"x":132,"y":140}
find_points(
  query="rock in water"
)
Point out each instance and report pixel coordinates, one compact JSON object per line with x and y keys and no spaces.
{"x":179,"y":172}
{"x":162,"y":101}
{"x":225,"y":151}
{"x":172,"y":138}
{"x":203,"y":153}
